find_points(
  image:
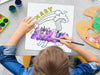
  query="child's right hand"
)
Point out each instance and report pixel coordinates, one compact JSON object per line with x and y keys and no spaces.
{"x":68,"y":44}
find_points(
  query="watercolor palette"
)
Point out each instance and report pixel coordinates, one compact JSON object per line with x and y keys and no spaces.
{"x":3,"y":22}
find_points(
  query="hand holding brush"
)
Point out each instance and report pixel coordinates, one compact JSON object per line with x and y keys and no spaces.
{"x":67,"y":41}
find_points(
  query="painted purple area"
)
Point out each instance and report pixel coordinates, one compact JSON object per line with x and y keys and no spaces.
{"x":34,"y":35}
{"x":45,"y":35}
{"x":48,"y":35}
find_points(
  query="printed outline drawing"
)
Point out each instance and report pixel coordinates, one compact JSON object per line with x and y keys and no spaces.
{"x":58,"y":17}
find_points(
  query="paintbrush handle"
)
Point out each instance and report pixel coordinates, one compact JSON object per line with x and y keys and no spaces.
{"x":67,"y":41}
{"x":77,"y":43}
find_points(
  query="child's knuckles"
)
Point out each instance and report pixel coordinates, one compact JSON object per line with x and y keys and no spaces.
{"x":64,"y":36}
{"x":61,"y":37}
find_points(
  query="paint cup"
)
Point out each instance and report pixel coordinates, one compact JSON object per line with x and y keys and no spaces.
{"x":12,"y":8}
{"x":18,"y":2}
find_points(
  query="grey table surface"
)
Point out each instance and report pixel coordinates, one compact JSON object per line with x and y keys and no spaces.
{"x":15,"y":19}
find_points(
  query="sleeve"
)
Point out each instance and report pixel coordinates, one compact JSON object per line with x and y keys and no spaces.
{"x":83,"y":69}
{"x":95,"y":66}
{"x":8,"y":60}
{"x":7,"y":50}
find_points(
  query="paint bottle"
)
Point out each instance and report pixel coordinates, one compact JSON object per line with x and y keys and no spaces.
{"x":18,"y":2}
{"x":12,"y":8}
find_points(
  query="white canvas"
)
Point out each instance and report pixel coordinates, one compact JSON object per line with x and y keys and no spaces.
{"x":60,"y":18}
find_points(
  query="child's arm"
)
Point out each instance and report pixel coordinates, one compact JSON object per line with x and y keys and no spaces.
{"x":89,"y":57}
{"x":23,"y":28}
{"x":7,"y":52}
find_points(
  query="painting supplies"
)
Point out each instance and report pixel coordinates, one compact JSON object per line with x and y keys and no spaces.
{"x":3,"y":22}
{"x":83,"y":27}
{"x":67,"y":41}
{"x":12,"y":8}
{"x":18,"y":2}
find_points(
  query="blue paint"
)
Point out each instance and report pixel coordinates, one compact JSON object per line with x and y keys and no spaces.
{"x":2,"y":24}
{"x":18,"y":2}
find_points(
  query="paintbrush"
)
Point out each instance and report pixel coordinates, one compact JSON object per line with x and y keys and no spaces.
{"x":68,"y":41}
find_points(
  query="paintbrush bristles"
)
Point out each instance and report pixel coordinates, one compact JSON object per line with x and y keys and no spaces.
{"x":55,"y":38}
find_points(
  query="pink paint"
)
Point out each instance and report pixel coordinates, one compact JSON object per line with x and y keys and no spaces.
{"x":98,"y":39}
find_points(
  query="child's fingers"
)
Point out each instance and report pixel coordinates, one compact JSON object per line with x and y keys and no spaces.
{"x":33,"y":23}
{"x":63,"y":42}
{"x":28,"y":18}
{"x":29,"y":21}
{"x":24,"y":19}
{"x":65,"y":37}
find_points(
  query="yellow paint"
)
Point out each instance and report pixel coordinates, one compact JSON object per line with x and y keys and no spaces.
{"x":41,"y":13}
{"x":50,"y":8}
{"x":98,"y":45}
{"x":26,"y":61}
{"x":86,"y":26}
{"x":37,"y":17}
{"x":45,"y":10}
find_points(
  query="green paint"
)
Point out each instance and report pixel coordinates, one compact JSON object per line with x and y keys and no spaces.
{"x":96,"y":24}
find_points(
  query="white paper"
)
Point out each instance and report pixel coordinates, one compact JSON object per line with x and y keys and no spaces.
{"x":2,"y":1}
{"x":60,"y":18}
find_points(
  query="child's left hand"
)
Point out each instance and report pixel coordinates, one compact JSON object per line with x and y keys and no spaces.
{"x":26,"y":25}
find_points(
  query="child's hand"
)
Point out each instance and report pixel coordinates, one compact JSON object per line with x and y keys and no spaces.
{"x":26,"y":25}
{"x":68,"y":44}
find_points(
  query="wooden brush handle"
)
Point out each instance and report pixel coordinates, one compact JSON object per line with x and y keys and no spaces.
{"x":67,"y":41}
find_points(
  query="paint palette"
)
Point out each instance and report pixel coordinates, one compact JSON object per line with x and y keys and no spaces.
{"x":89,"y":31}
{"x":3,"y":22}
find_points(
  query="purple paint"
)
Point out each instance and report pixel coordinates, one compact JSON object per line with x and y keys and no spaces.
{"x":34,"y":35}
{"x":45,"y":35}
